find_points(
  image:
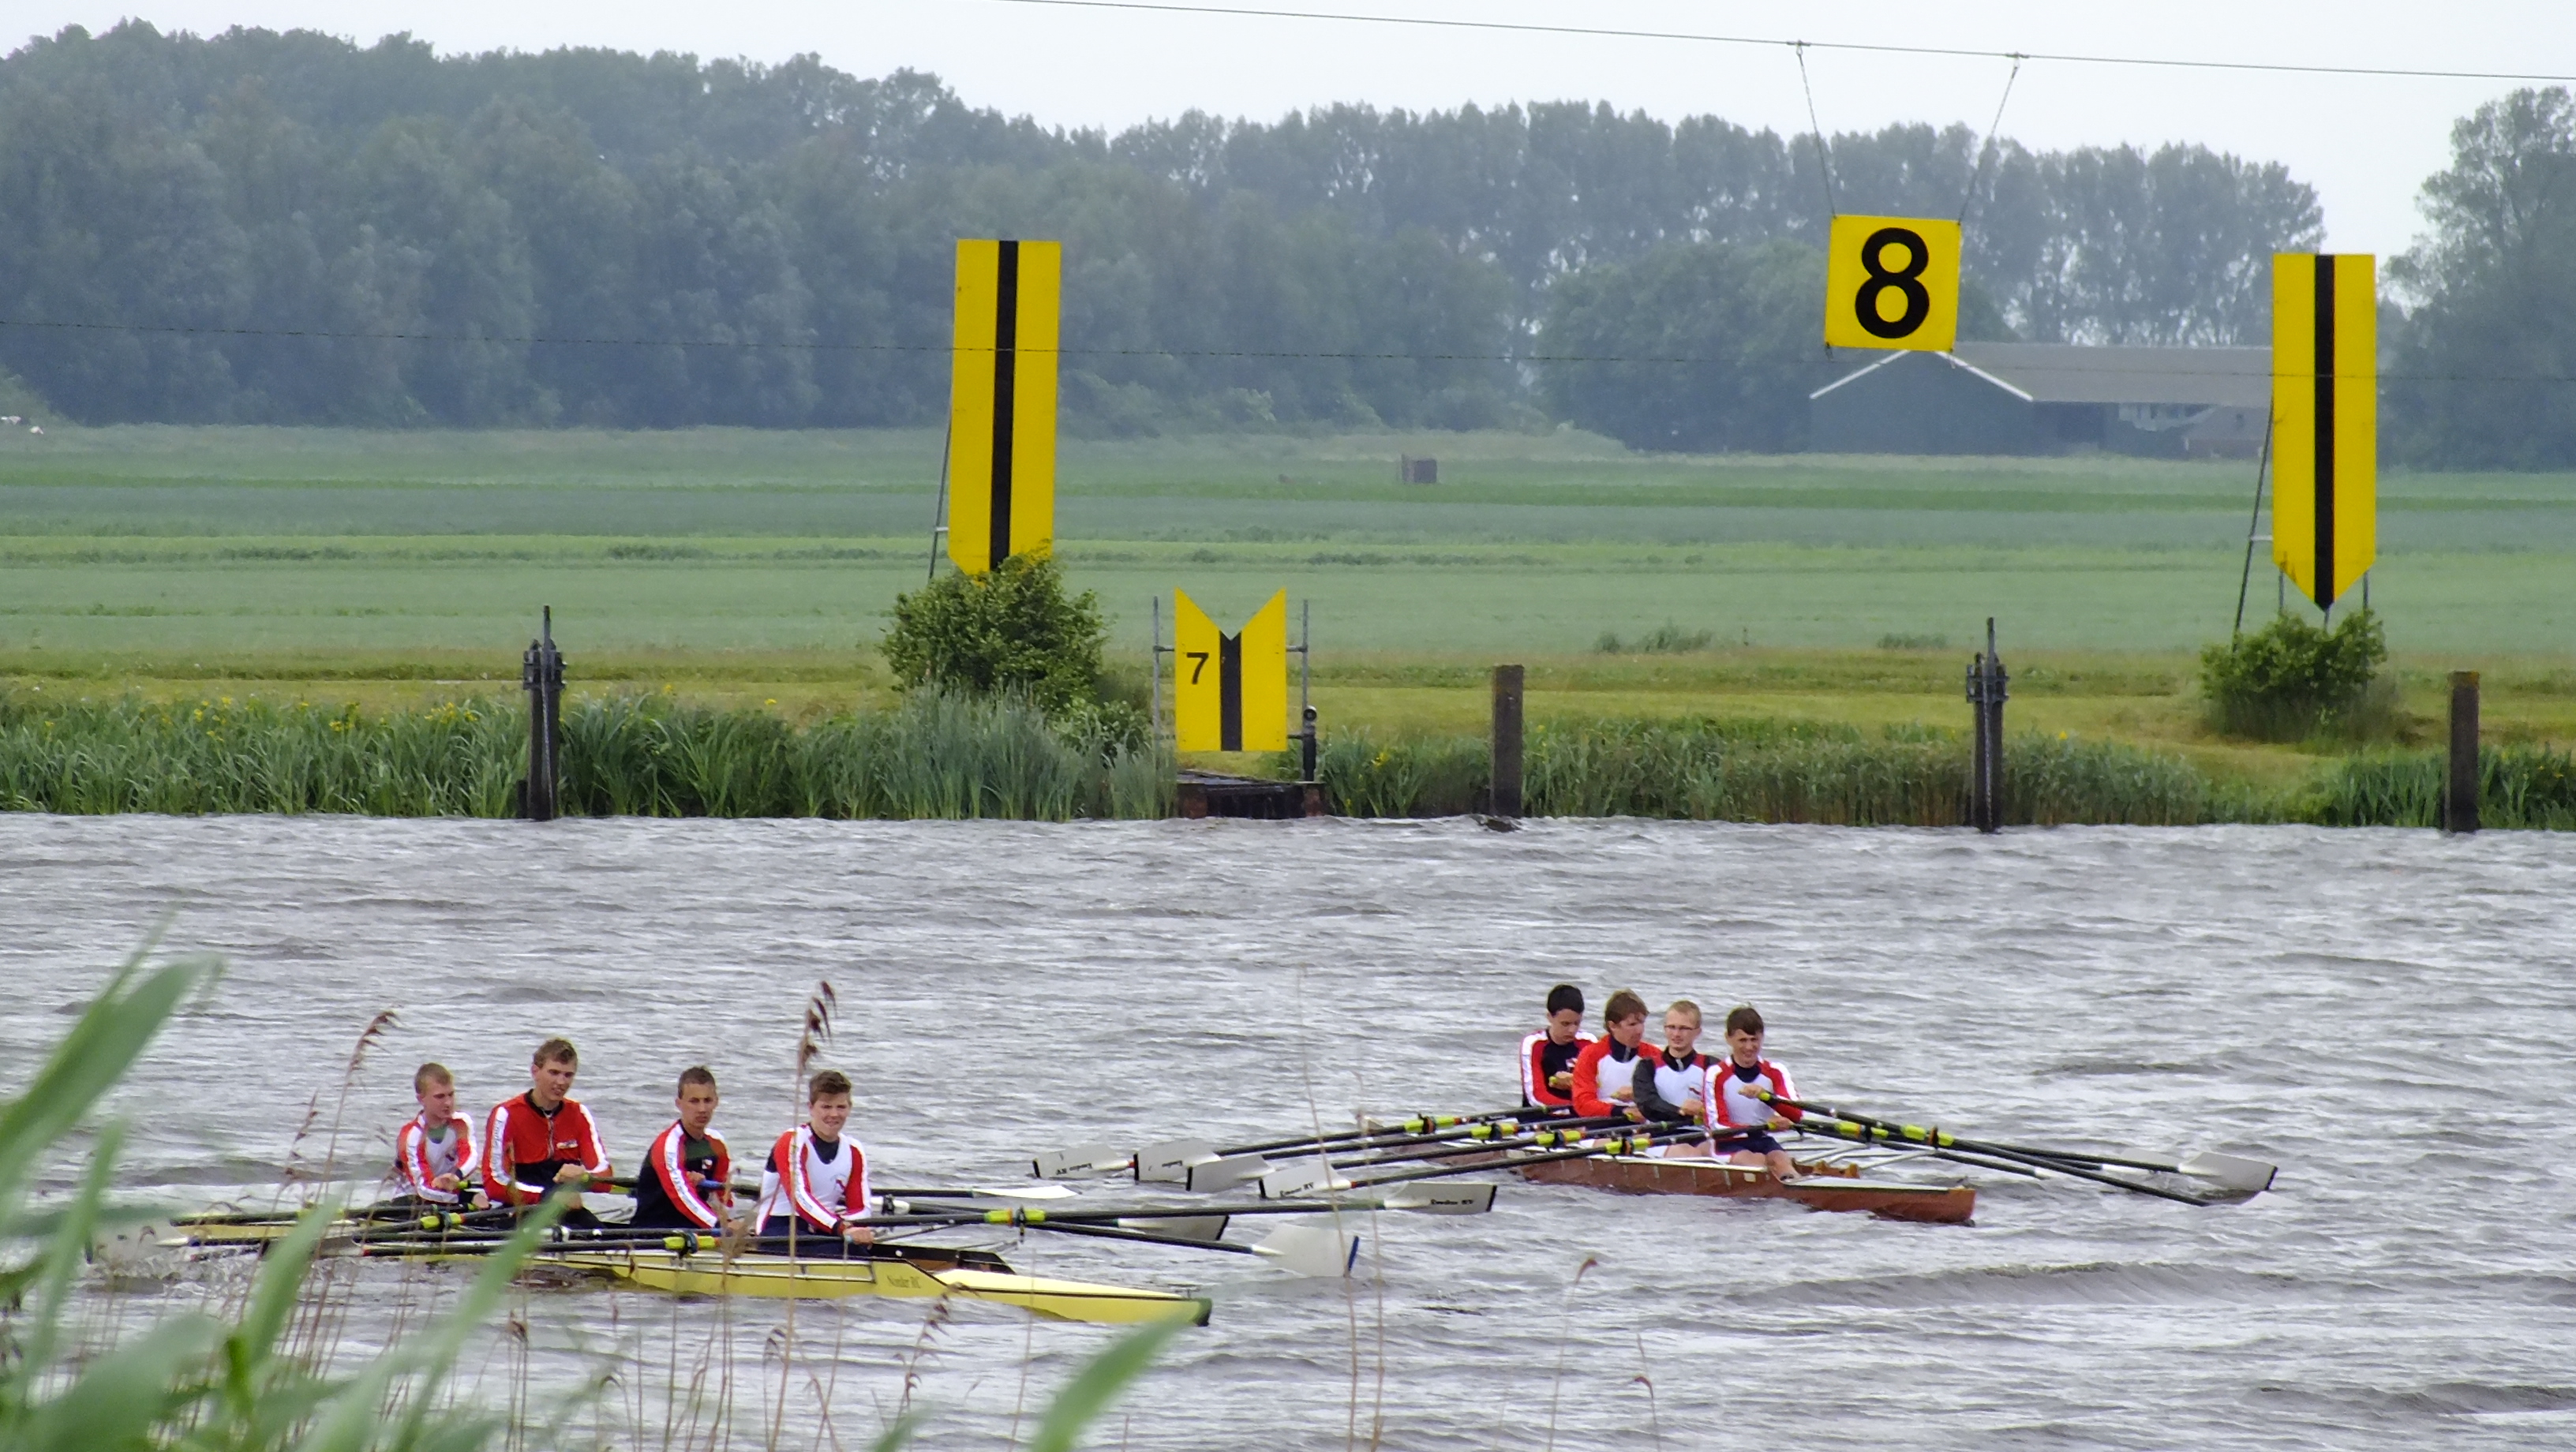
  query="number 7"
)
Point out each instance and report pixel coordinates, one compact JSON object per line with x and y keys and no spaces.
{"x":1202,"y":658}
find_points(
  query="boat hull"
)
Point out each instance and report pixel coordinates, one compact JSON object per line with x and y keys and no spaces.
{"x":780,"y":1277}
{"x":1822,"y":1187}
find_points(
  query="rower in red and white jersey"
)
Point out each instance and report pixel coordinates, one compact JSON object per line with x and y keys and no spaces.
{"x":542,"y":1142}
{"x":1735,"y":1101}
{"x":816,"y":1181}
{"x":1605,"y":1072}
{"x":1547,"y":1057}
{"x":434,"y":1159}
{"x":686,"y":1180}
{"x":1671,"y":1083}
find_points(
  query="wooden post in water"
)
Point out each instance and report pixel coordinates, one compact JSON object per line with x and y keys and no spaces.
{"x":541,"y":675}
{"x":2460,"y":799}
{"x":1507,"y":741}
{"x":1987,"y":687}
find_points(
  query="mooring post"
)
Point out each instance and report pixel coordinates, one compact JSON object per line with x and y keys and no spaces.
{"x":1988,"y":685}
{"x":541,"y":675}
{"x":2460,"y":800}
{"x":1507,"y":740}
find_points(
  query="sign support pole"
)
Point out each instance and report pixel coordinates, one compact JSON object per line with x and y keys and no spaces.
{"x":2252,"y":528}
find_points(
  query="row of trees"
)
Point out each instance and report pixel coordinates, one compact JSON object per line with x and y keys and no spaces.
{"x":290,"y":228}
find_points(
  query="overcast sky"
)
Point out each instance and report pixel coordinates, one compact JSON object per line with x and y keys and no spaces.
{"x":2365,"y":143}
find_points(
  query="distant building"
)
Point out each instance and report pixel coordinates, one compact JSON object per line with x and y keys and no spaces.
{"x":2048,"y":398}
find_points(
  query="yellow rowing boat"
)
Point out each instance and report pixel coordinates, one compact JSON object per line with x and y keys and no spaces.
{"x":757,"y":1274}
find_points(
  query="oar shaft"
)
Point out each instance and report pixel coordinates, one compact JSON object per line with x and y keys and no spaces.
{"x":1112,"y":1232}
{"x":1411,"y":1125}
{"x":1943,"y":1140}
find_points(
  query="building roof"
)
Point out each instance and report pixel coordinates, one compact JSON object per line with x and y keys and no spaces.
{"x":2074,"y":373}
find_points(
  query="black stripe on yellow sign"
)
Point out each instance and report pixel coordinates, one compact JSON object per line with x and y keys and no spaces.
{"x":1006,"y":332}
{"x":2324,"y":483}
{"x":1229,"y":691}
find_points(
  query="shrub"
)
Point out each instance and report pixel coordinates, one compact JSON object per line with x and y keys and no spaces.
{"x":2291,"y":679}
{"x":1012,"y":630}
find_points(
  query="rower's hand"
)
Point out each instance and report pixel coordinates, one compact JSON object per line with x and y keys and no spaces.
{"x":447,"y":1182}
{"x":571,"y":1173}
{"x":858,"y":1235}
{"x":1624,"y":1096}
{"x":1693,"y":1109}
{"x":1561,"y":1083}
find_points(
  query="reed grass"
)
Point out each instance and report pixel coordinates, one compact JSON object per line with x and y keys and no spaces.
{"x":932,"y":756}
{"x":2519,"y":786}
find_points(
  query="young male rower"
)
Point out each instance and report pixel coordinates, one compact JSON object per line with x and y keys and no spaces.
{"x":1671,"y":1083}
{"x":816,"y":1181}
{"x":684,"y":1184}
{"x":543,"y":1142}
{"x":434,"y":1159}
{"x":1547,"y":1057}
{"x":1604,"y":1073}
{"x":1736,"y":1105}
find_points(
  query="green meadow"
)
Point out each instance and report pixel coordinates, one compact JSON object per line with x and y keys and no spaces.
{"x":741,"y":566}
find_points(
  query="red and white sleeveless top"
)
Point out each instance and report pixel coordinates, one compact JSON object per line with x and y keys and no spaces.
{"x":821,"y":1192}
{"x":1735,"y":1104}
{"x":420,"y":1160}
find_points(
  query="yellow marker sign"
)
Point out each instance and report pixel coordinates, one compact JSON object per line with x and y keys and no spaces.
{"x":1892,"y":282}
{"x":2325,"y":420}
{"x":1001,"y":401}
{"x":1230,"y":692}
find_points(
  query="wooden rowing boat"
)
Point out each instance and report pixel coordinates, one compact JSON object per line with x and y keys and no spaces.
{"x":1820,"y":1187}
{"x":968,"y":1275}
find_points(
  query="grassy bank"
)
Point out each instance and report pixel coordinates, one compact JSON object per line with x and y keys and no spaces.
{"x":942,"y":758}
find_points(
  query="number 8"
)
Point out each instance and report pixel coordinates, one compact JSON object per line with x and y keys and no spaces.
{"x":1918,"y":299}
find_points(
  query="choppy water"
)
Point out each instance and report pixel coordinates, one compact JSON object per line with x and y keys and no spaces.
{"x":2386,"y":1014}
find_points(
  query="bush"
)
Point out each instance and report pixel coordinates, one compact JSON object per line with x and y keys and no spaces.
{"x":1012,"y":631}
{"x":2291,"y":680}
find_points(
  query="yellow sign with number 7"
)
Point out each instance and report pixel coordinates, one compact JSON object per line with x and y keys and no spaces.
{"x":1230,"y":692}
{"x":1892,"y":282}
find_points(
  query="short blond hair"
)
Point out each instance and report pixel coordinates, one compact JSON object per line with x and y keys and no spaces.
{"x":428,"y":1074}
{"x":1684,"y":1005}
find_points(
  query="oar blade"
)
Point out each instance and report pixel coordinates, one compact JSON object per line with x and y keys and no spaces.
{"x":1080,"y":1160}
{"x":1288,"y":1182}
{"x":2235,"y":1172}
{"x":1224,"y":1173}
{"x":1437,"y":1197}
{"x":1168,"y":1163}
{"x":1319,"y":1251}
{"x":1181,"y":1227}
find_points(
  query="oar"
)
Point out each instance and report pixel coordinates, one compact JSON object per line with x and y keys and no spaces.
{"x":1167,"y":1161}
{"x":1306,"y":1250}
{"x":1940,"y":1140}
{"x":1225,"y":1172}
{"x":1583,"y":1149}
{"x":1863,"y":1135}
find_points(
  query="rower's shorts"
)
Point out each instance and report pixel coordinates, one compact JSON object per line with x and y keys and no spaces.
{"x":1758,"y":1142}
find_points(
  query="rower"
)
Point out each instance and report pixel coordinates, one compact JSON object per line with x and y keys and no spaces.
{"x":1735,"y":1081}
{"x":1604,"y":1072}
{"x":1671,"y":1083}
{"x":543,"y":1142}
{"x":434,"y":1160}
{"x":816,"y":1182}
{"x":1547,"y":1057}
{"x":683,"y":1185}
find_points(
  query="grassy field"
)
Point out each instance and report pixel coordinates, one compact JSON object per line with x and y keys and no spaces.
{"x":757,"y":567}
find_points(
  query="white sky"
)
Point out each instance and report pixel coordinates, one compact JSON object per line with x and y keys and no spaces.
{"x":2366,"y":144}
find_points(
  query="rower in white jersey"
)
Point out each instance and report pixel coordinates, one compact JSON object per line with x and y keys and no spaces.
{"x":816,"y":1181}
{"x":1734,"y":1102}
{"x":434,"y":1159}
{"x":1671,"y":1083}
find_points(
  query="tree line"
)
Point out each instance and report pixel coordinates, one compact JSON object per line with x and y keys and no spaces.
{"x":256,"y":226}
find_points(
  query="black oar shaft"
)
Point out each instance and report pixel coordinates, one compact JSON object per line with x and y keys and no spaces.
{"x":1936,"y":1139}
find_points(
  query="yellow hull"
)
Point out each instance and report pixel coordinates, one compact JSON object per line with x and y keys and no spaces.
{"x":779,"y":1276}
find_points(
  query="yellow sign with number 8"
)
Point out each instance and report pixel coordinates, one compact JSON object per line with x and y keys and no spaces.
{"x":1892,"y":282}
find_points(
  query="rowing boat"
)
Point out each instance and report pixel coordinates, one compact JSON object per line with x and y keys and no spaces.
{"x":971,"y":1275}
{"x":1819,"y":1187}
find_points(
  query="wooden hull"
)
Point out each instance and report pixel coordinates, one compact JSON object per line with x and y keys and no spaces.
{"x":777,"y":1276}
{"x":1824,"y":1187}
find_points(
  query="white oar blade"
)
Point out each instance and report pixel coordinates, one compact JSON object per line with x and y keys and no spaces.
{"x":1225,"y":1173}
{"x":1191,"y":1227}
{"x":1290,"y":1181}
{"x":1441,"y":1198}
{"x":2251,"y":1177}
{"x":1310,"y":1250}
{"x":1169,"y":1163}
{"x":1080,"y":1160}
